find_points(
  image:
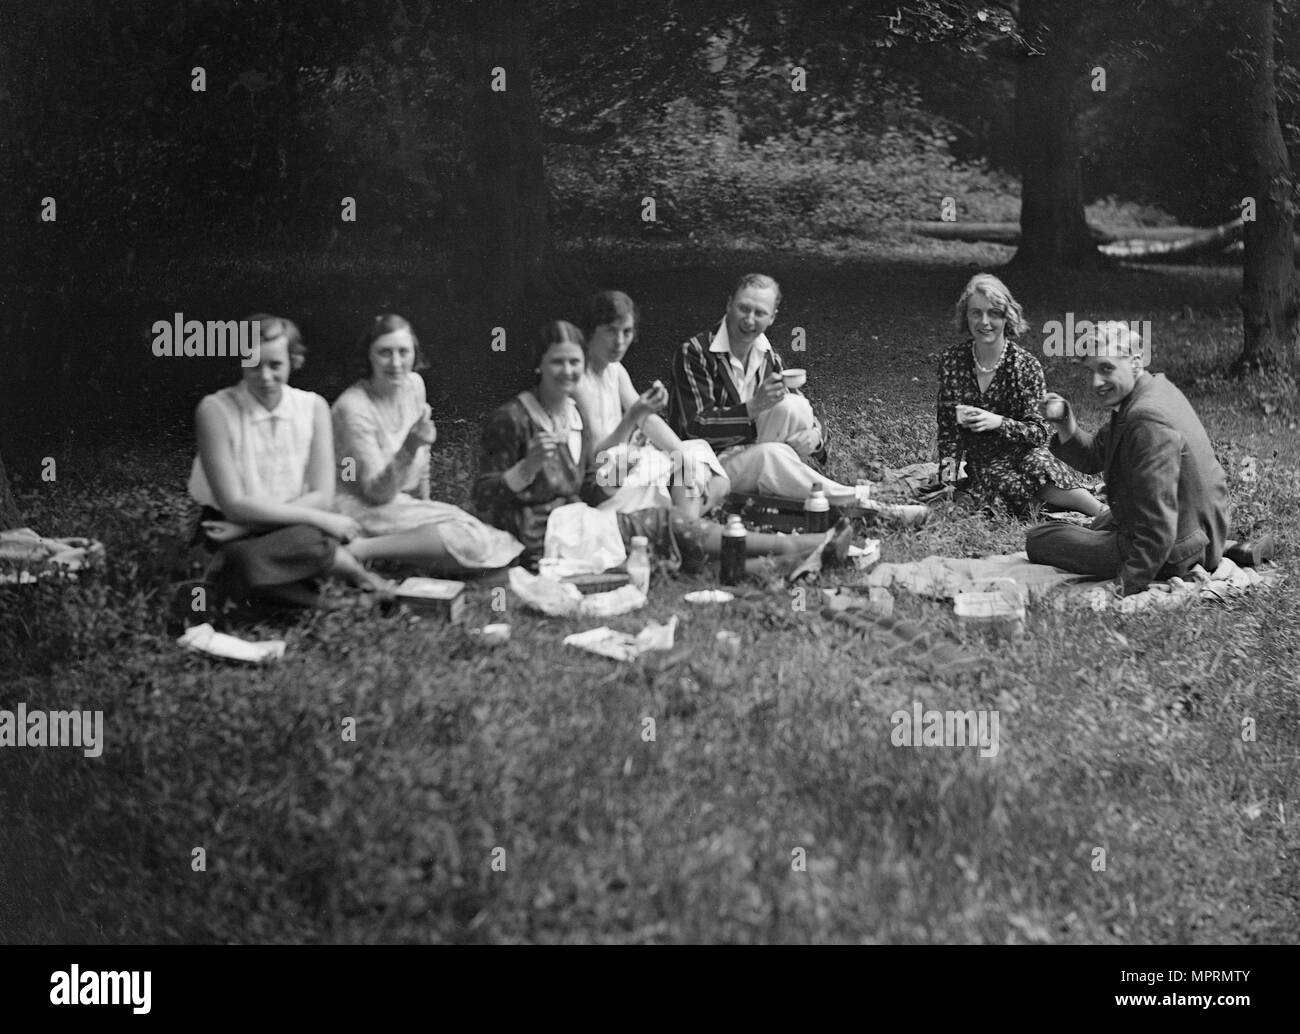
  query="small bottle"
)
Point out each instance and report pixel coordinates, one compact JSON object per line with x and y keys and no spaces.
{"x":638,"y":564}
{"x":815,"y":509}
{"x":733,"y":551}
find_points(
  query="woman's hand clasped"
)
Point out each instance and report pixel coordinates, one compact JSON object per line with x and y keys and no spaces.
{"x":338,"y":525}
{"x":223,"y":531}
{"x":980,"y":420}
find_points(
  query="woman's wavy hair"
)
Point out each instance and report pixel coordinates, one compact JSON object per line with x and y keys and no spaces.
{"x":609,"y":307}
{"x":271,"y":327}
{"x":996,"y":292}
{"x":386,"y":323}
{"x":556,"y":332}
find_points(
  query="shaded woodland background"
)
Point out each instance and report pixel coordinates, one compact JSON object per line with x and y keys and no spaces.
{"x":790,"y":125}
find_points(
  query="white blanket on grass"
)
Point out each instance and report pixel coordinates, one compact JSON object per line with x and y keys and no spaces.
{"x":943,"y":577}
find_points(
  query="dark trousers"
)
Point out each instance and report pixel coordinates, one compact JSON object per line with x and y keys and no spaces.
{"x":1092,"y":551}
{"x":279,"y":566}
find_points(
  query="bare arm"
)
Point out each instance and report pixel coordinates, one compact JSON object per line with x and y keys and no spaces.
{"x":220,"y":468}
{"x":621,"y":433}
{"x":379,"y":475}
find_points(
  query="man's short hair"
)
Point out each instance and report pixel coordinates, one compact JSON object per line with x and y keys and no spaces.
{"x":760,"y":280}
{"x":1116,"y":340}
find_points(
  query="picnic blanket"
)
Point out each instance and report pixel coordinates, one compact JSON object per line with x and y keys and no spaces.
{"x":1227,"y":582}
{"x":26,"y":557}
{"x":941,"y":577}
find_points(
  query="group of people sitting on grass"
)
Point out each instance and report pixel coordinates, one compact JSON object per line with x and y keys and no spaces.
{"x":292,"y":492}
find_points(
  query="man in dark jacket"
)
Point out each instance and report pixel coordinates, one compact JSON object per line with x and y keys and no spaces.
{"x":728,"y":390}
{"x":1168,"y":495}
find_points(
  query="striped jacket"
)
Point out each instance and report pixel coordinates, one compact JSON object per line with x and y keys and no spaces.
{"x":704,"y":401}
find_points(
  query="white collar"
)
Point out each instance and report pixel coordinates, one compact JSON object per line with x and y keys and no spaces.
{"x":258,"y":413}
{"x":722,"y":342}
{"x":533,"y":404}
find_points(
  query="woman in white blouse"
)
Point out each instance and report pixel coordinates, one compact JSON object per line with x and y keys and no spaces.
{"x":264,"y":476}
{"x":637,"y":453}
{"x":382,"y":434}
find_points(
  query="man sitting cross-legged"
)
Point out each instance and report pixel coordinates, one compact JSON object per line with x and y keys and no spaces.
{"x":1168,"y":495}
{"x":727,"y":389}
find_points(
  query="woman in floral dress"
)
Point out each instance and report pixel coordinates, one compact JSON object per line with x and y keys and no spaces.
{"x":989,"y":394}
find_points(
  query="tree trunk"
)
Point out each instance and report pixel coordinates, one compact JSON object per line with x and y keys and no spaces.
{"x":9,"y":515}
{"x":1053,"y":231}
{"x":1270,"y":294}
{"x":503,"y":244}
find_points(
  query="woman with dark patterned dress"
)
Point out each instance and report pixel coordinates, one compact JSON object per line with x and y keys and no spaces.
{"x":989,"y":394}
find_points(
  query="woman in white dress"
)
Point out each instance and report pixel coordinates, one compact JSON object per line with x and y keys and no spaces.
{"x":264,"y":476}
{"x":637,"y":453}
{"x":382,"y":431}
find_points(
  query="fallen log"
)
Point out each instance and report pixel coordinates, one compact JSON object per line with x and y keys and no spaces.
{"x":992,"y":233}
{"x":1199,"y":242}
{"x":1133,"y":244}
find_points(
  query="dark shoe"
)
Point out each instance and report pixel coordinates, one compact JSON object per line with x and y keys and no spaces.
{"x":1251,"y":554}
{"x":193,"y":602}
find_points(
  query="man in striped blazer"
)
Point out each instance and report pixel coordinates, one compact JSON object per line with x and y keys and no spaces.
{"x":727,"y":389}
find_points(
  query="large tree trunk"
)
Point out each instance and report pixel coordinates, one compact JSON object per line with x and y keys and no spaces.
{"x":9,"y":515}
{"x":1270,"y":295}
{"x":502,"y":241}
{"x":1053,"y":231}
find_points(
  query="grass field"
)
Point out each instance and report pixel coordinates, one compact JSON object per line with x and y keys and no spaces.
{"x":770,"y":805}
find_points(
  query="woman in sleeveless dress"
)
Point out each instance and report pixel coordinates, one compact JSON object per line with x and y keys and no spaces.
{"x":988,"y":410}
{"x":382,"y":433}
{"x":264,"y":476}
{"x":636,"y":451}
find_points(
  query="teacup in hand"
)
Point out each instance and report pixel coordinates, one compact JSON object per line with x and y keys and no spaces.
{"x":794,"y":378}
{"x":1052,"y":409}
{"x":965,"y":413}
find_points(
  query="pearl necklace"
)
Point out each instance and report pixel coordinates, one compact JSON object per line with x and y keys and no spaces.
{"x":987,"y":369}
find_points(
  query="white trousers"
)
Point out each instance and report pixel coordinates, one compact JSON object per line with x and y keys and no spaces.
{"x":771,"y":466}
